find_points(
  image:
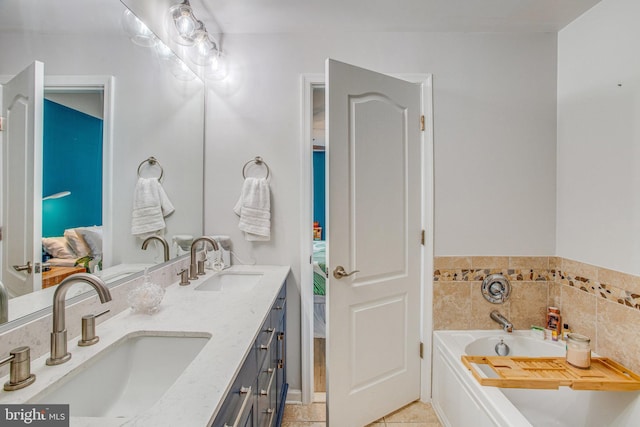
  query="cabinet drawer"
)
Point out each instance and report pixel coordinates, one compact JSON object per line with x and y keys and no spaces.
{"x":238,"y":405}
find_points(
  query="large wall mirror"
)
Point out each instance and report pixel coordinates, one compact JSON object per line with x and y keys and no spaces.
{"x":129,"y":94}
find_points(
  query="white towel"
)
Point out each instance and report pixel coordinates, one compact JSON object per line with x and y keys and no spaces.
{"x":254,"y":209}
{"x":150,"y":206}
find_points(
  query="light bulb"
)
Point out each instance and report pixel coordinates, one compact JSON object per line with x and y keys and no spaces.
{"x":204,"y":51}
{"x":217,"y":69}
{"x":183,"y":24}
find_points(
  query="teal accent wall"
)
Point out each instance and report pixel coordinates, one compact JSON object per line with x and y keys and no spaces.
{"x":319,"y":190}
{"x":71,"y":161}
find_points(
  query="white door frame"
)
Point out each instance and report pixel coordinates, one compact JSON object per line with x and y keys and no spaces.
{"x":307,"y":83}
{"x":80,"y":83}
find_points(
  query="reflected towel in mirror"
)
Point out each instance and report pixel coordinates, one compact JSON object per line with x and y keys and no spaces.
{"x":150,"y":206}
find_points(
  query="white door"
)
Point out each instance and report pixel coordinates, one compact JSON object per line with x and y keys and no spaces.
{"x":22,"y":106}
{"x":374,"y":228}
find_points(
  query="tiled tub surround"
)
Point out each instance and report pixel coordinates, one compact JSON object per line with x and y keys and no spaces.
{"x":600,"y":303}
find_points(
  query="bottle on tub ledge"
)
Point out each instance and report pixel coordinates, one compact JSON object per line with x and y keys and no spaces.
{"x":554,"y":323}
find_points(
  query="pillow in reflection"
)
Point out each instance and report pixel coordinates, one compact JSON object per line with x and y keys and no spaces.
{"x":58,"y":247}
{"x":93,"y":238}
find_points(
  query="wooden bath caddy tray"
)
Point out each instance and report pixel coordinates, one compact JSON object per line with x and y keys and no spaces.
{"x":553,"y":372}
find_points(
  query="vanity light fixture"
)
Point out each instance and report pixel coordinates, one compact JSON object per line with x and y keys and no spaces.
{"x":202,"y":50}
{"x":57,"y":195}
{"x":183,"y":25}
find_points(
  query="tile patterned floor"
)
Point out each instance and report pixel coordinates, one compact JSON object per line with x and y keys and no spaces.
{"x":416,"y":414}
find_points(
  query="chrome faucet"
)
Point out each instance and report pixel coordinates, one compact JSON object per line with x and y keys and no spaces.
{"x":165,"y":245}
{"x":501,"y":320}
{"x":193,"y":268}
{"x":59,"y":352}
{"x":4,"y":305}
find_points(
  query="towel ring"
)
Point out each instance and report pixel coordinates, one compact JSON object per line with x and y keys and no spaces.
{"x":258,"y":161}
{"x":153,"y":162}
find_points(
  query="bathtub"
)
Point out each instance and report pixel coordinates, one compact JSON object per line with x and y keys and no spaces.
{"x":460,"y":401}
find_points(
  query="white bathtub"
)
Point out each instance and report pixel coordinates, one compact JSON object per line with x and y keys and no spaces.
{"x":461,"y":401}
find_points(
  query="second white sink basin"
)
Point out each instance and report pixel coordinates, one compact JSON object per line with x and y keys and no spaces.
{"x":230,"y":281}
{"x":125,"y":378}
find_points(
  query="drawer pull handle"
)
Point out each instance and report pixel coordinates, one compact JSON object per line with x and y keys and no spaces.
{"x":272,"y":412}
{"x":247,"y":391}
{"x":266,"y":346}
{"x":264,"y":392}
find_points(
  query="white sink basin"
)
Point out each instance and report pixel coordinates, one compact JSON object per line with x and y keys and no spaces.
{"x":125,"y":378}
{"x":230,"y":281}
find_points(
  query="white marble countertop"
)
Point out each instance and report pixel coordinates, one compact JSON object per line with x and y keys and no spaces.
{"x":231,"y":318}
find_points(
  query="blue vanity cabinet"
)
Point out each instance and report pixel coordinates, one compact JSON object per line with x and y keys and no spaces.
{"x":271,"y":362}
{"x":257,"y":396}
{"x":238,"y":408}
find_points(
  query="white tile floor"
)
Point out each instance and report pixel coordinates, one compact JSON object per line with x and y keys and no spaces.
{"x":416,"y":414}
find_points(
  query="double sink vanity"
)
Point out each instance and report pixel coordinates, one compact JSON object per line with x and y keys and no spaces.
{"x":213,"y":354}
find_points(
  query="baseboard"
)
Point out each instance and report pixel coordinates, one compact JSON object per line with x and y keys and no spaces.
{"x":294,"y":397}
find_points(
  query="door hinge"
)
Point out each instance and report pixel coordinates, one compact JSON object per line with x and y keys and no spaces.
{"x":421,"y":350}
{"x":422,"y":238}
{"x":422,"y":123}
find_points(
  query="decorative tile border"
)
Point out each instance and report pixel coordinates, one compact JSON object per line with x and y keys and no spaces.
{"x":617,"y":287}
{"x":603,"y":290}
{"x":478,"y":275}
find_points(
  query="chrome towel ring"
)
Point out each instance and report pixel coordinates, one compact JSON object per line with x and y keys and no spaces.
{"x":152,"y":162}
{"x":258,"y":161}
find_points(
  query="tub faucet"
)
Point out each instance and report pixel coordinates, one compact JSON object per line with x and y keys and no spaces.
{"x":165,"y":245}
{"x":193,"y":268}
{"x":59,"y":352}
{"x":501,"y":320}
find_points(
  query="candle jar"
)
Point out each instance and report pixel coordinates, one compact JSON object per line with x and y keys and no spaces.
{"x":578,"y":351}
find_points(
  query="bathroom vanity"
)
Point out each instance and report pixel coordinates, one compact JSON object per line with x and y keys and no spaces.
{"x":258,"y":393}
{"x":213,"y":355}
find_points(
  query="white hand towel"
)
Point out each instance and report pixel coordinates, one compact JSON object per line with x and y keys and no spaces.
{"x":150,"y":205}
{"x":254,"y":209}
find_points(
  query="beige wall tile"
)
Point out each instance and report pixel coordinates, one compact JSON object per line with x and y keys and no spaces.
{"x":451,"y":262}
{"x":529,"y":262}
{"x":555,"y":262}
{"x":578,"y":310}
{"x":528,"y":304}
{"x":451,"y":305}
{"x":481,"y":309}
{"x":576,"y":268}
{"x":618,"y":335}
{"x":620,"y":280}
{"x":490,"y":262}
{"x":555,"y":295}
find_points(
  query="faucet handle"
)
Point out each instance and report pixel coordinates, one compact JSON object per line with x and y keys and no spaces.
{"x":184,"y":276}
{"x":89,"y":329}
{"x":20,"y":374}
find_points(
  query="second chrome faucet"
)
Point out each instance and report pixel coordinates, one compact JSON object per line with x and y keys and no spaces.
{"x":193,"y":267}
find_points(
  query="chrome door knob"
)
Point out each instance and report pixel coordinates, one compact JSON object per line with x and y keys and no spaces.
{"x":339,"y":272}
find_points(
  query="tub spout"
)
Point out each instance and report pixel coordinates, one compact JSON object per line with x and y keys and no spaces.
{"x":501,"y":320}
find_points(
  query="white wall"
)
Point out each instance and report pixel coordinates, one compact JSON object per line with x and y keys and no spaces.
{"x":598,"y":216}
{"x":495,"y":124}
